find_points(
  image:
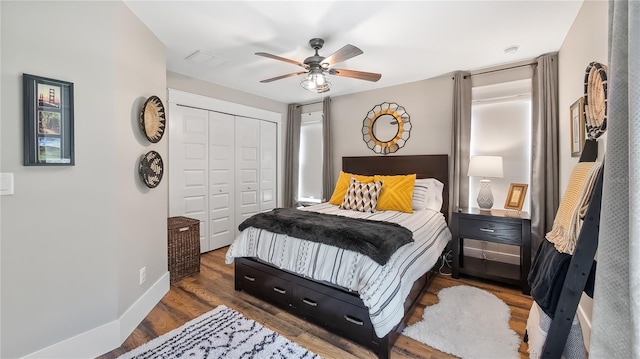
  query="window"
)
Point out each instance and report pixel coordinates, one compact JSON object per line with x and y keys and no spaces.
{"x":310,"y":166}
{"x":501,"y":126}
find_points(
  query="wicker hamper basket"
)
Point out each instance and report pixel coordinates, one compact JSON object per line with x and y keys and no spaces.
{"x":184,"y":247}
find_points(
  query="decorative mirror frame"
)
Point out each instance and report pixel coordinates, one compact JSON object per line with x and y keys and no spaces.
{"x":401,"y":137}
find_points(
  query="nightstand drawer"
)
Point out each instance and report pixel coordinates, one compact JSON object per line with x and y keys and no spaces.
{"x":492,"y":231}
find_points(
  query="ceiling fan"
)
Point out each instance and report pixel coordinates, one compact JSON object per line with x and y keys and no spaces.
{"x":317,"y":66}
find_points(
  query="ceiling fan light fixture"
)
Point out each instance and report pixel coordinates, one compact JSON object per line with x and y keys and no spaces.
{"x":316,"y":81}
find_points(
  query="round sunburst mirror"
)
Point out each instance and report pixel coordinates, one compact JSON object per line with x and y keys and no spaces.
{"x":386,"y":128}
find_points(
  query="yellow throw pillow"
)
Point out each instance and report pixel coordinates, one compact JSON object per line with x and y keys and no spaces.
{"x":396,"y":193}
{"x":343,"y":183}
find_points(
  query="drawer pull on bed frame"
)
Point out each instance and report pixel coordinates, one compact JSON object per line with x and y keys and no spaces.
{"x":353,"y":320}
{"x":487,"y":230}
{"x":309,"y":302}
{"x":279,"y":290}
{"x":250,"y":279}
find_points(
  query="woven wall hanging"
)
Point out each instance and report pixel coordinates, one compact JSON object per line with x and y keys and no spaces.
{"x":595,"y":100}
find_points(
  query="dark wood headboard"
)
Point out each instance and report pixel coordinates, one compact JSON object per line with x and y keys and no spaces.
{"x":424,"y":166}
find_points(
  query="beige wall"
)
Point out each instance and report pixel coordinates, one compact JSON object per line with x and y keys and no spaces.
{"x":74,"y":238}
{"x":189,"y":84}
{"x":428,"y":102}
{"x":585,"y":42}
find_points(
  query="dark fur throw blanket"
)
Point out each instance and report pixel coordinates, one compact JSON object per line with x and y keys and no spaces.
{"x":375,"y":239}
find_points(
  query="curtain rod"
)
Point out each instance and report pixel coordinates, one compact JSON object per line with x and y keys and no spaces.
{"x":310,"y":103}
{"x":502,"y":69}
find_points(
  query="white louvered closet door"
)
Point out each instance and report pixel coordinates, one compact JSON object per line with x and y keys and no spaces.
{"x":247,"y":145}
{"x":188,"y":174}
{"x":221,"y":179}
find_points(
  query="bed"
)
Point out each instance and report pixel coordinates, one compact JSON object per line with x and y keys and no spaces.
{"x":375,"y":315}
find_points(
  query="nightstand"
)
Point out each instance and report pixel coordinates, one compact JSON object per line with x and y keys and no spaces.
{"x":497,"y":226}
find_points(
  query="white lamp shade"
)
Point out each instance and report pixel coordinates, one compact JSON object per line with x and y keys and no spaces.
{"x":485,"y":166}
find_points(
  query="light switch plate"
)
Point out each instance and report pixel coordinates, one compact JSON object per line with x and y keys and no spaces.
{"x":6,"y":184}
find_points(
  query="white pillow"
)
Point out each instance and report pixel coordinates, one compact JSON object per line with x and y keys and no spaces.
{"x":427,"y":193}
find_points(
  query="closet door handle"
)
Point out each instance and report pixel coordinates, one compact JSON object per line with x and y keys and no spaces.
{"x":309,"y":302}
{"x":353,"y":320}
{"x":487,"y":230}
{"x":250,"y":279}
{"x":279,"y":290}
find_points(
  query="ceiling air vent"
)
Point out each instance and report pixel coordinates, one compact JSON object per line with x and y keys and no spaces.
{"x":205,"y":58}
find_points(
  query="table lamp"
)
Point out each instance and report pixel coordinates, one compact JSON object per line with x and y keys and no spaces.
{"x":485,"y":166}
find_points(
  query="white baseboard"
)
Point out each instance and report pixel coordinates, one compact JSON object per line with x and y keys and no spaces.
{"x":138,"y":310}
{"x":109,"y":336}
{"x":89,"y":344}
{"x":493,"y":255}
{"x":585,"y":323}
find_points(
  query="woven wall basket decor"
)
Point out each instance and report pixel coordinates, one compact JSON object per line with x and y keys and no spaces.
{"x":595,"y":100}
{"x":152,"y":119}
{"x":151,"y":169}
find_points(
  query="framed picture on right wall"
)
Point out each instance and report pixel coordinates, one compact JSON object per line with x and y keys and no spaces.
{"x":576,"y":114}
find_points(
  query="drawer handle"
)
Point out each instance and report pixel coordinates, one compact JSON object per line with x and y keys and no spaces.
{"x":250,"y":279}
{"x":309,"y":302}
{"x":353,"y":320}
{"x":279,"y":290}
{"x":487,"y":230}
{"x":183,"y":229}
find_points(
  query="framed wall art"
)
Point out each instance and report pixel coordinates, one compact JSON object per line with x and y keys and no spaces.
{"x":48,"y":122}
{"x":516,"y":195}
{"x":576,"y":113}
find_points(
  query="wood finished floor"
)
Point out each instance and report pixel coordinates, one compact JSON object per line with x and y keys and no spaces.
{"x":213,"y":286}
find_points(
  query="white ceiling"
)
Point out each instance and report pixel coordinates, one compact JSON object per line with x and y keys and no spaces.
{"x":404,"y":41}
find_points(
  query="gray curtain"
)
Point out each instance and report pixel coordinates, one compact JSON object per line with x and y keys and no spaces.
{"x":615,"y":332}
{"x":291,"y":155}
{"x":328,"y":181}
{"x":460,"y":142}
{"x":544,"y":148}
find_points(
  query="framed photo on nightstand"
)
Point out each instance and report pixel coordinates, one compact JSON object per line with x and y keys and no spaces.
{"x":516,"y":195}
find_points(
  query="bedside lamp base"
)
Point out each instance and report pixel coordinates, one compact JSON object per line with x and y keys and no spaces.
{"x":485,"y":197}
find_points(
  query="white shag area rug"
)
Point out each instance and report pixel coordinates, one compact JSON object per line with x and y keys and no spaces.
{"x":220,"y":333}
{"x":469,"y":323}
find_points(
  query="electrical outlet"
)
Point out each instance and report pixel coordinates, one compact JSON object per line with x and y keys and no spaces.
{"x":143,"y":275}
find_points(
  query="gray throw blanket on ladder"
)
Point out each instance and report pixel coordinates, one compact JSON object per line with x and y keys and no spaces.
{"x":375,"y":239}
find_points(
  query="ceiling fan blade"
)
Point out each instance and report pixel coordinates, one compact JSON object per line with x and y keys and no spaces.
{"x":345,"y":53}
{"x":283,"y":76}
{"x":281,"y":59}
{"x":368,"y":76}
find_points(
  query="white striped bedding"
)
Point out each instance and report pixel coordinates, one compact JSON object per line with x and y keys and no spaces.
{"x":383,"y":289}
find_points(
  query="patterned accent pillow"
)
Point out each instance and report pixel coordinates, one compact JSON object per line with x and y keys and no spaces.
{"x":343,"y":184}
{"x":362,"y":197}
{"x":427,"y":193}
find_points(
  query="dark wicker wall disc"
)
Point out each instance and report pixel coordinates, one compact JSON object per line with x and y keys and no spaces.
{"x":152,"y":119}
{"x":151,"y":169}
